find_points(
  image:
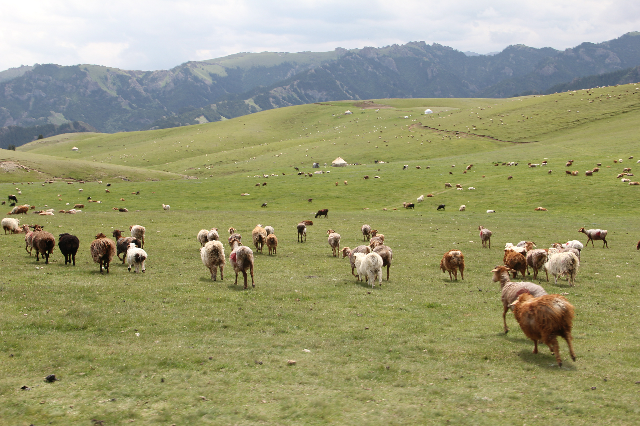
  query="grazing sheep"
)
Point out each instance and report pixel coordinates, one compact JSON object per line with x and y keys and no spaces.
{"x":370,"y":266}
{"x":272,"y":243}
{"x":543,"y":319}
{"x":563,"y":264}
{"x":451,"y":262}
{"x":259,"y":236}
{"x":212,"y":255}
{"x":12,"y":225}
{"x":68,"y":245}
{"x":536,"y":259}
{"x":166,"y":207}
{"x":24,"y":209}
{"x":509,"y":290}
{"x":122,"y":244}
{"x":540,"y":209}
{"x":44,"y":243}
{"x":241,"y":259}
{"x":334,"y":241}
{"x":137,"y":231}
{"x":595,"y":234}
{"x":323,"y":212}
{"x":366,"y":232}
{"x":386,"y":254}
{"x":136,"y":257}
{"x":421,"y":198}
{"x":28,"y":238}
{"x":440,"y":207}
{"x":302,"y":232}
{"x":462,"y":208}
{"x":269,"y":230}
{"x":515,"y":261}
{"x":346,"y":251}
{"x":485,"y":236}
{"x":491,"y":211}
{"x":102,"y":251}
{"x":12,"y":198}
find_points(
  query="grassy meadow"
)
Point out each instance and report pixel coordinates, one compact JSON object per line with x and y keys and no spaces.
{"x":173,"y":347}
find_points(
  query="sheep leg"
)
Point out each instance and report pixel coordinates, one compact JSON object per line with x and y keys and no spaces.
{"x":535,"y":346}
{"x":504,"y":318}
{"x":388,"y":272}
{"x":605,"y":243}
{"x":462,"y":273}
{"x":552,"y":342}
{"x":251,"y":271}
{"x":221,"y":276}
{"x":568,"y":338}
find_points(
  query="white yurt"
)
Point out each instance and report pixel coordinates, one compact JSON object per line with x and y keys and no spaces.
{"x":338,"y":162}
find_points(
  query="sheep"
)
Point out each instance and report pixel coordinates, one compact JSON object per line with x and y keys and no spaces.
{"x":595,"y":234}
{"x":259,"y":236}
{"x":302,"y":232}
{"x":540,"y":209}
{"x":376,"y":239}
{"x":491,"y":211}
{"x":573,"y":244}
{"x":166,"y":207}
{"x":102,"y":251}
{"x":12,"y":198}
{"x":136,"y":257}
{"x":366,"y":232}
{"x":408,"y":205}
{"x":137,"y":231}
{"x":515,"y":261}
{"x":440,"y":207}
{"x":536,"y":260}
{"x":485,"y":236}
{"x":420,"y":198}
{"x":241,"y":259}
{"x":68,"y":245}
{"x":203,"y":237}
{"x":386,"y":254}
{"x":213,"y":235}
{"x":452,"y":261}
{"x":269,"y":230}
{"x":447,"y":185}
{"x":44,"y":243}
{"x":122,"y":244}
{"x":563,"y":264}
{"x":212,"y":255}
{"x":346,"y":251}
{"x":272,"y":243}
{"x":509,"y":290}
{"x":334,"y":241}
{"x":462,"y":208}
{"x":24,"y":209}
{"x":10,"y":224}
{"x":323,"y":212}
{"x":370,"y":266}
{"x":543,"y":319}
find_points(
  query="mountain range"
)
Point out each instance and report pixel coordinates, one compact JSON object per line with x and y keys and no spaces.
{"x":104,"y":99}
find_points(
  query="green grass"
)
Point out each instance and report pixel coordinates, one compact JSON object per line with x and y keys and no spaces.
{"x":418,"y":350}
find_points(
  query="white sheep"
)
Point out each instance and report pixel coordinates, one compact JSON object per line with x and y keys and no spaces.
{"x":166,"y":207}
{"x":573,"y":244}
{"x":369,"y":265}
{"x":136,"y":257}
{"x":212,"y":235}
{"x":462,"y":208}
{"x":334,"y":241}
{"x":12,"y":225}
{"x":421,"y":198}
{"x":563,"y":264}
{"x":212,"y":255}
{"x":203,"y":236}
{"x":595,"y":234}
{"x":269,"y":230}
{"x":137,"y":231}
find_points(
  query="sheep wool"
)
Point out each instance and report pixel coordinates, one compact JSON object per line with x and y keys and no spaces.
{"x":511,"y":290}
{"x":566,"y":263}
{"x":370,"y":266}
{"x":136,"y":258}
{"x":68,"y":245}
{"x":102,"y":251}
{"x":44,"y":243}
{"x":137,"y":231}
{"x":212,"y":255}
{"x":10,"y":224}
{"x":452,"y":261}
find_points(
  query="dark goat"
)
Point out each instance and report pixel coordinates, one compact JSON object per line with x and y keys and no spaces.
{"x":323,"y":212}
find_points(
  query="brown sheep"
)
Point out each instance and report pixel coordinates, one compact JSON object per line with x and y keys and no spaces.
{"x":272,"y":243}
{"x":451,"y":262}
{"x":241,"y":258}
{"x":485,"y":236}
{"x":386,"y":254}
{"x":302,"y":232}
{"x":102,"y":251}
{"x":543,"y":319}
{"x":20,"y":209}
{"x":516,"y":262}
{"x":44,"y":243}
{"x":259,"y":236}
{"x":366,"y":232}
{"x":536,"y":259}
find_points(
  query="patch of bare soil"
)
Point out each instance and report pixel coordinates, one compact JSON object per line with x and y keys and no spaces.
{"x":12,"y":166}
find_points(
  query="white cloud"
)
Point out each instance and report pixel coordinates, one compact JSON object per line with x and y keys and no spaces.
{"x":160,"y":34}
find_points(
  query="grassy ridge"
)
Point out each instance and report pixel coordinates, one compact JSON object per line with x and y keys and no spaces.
{"x":171,"y":346}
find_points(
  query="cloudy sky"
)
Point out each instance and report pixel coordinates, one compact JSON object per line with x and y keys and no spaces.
{"x":161,"y":34}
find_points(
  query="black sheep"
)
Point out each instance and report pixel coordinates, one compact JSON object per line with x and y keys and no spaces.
{"x":68,"y":245}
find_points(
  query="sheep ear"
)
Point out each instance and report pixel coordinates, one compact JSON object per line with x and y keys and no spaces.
{"x":514,"y":303}
{"x":494,"y":270}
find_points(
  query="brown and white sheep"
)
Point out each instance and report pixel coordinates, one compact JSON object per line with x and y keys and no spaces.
{"x":44,"y":243}
{"x":545,"y":318}
{"x":123,"y":243}
{"x":12,"y":225}
{"x":137,"y":231}
{"x":28,"y":238}
{"x":595,"y":234}
{"x":259,"y":236}
{"x":386,"y":254}
{"x":272,"y":243}
{"x":334,"y":241}
{"x":24,"y":209}
{"x":302,"y":232}
{"x":536,"y":259}
{"x":451,"y":262}
{"x":485,"y":236}
{"x":136,"y":257}
{"x":509,"y":290}
{"x":102,"y":251}
{"x":212,"y":255}
{"x":346,"y":251}
{"x":241,"y":259}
